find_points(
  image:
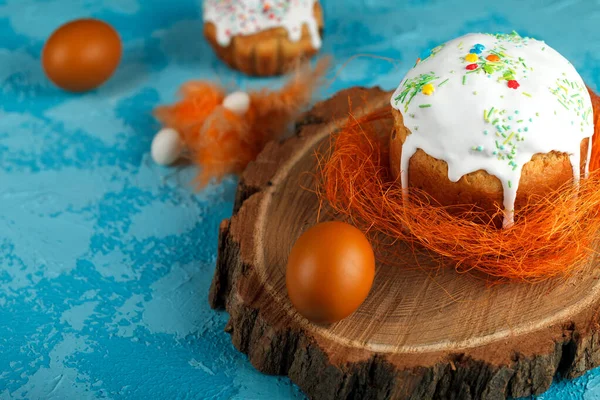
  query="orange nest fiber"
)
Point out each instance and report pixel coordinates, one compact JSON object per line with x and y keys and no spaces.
{"x":551,"y":237}
{"x":222,"y":142}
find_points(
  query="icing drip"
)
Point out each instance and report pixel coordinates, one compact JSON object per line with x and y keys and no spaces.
{"x":247,"y":17}
{"x":490,"y":102}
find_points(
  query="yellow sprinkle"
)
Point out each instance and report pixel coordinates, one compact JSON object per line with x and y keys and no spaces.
{"x":428,"y":89}
{"x":471,"y":57}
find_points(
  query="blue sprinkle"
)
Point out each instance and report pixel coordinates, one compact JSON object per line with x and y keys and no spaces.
{"x":519,"y":130}
{"x":516,"y":111}
{"x":526,"y":129}
{"x":510,"y":117}
{"x":530,"y":119}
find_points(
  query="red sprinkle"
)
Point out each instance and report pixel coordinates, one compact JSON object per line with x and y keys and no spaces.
{"x":471,"y":67}
{"x":513,"y":84}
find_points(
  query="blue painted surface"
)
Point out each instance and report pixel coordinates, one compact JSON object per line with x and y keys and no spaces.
{"x":105,"y":258}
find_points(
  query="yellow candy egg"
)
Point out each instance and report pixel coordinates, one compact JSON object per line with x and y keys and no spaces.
{"x":471,"y":57}
{"x":428,"y":89}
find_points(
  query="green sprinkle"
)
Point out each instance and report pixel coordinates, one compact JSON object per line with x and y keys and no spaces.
{"x":564,"y":105}
{"x":543,"y":48}
{"x":509,"y":184}
{"x":424,"y":105}
{"x":497,"y":144}
{"x":508,"y":138}
{"x":491,"y":111}
{"x":494,"y":122}
{"x":526,"y":94}
{"x":519,"y":121}
{"x":575,"y":95}
{"x":464,"y":79}
{"x":475,"y":93}
{"x":443,"y":82}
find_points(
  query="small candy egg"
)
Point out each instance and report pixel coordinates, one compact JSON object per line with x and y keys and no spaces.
{"x":330,"y":272}
{"x":471,"y":57}
{"x":493,"y":58}
{"x":82,"y":54}
{"x":166,"y":146}
{"x":512,"y":84}
{"x":428,"y":89}
{"x":237,"y":102}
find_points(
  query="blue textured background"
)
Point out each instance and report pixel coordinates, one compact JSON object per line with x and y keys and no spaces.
{"x":105,"y":258}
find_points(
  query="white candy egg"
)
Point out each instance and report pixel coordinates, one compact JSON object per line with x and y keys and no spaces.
{"x":237,"y":102}
{"x":166,"y":146}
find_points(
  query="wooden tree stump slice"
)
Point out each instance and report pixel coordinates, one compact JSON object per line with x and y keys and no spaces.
{"x":421,"y":333}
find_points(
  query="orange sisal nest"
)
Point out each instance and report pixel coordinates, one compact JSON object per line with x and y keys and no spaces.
{"x":552,"y":236}
{"x":222,"y":142}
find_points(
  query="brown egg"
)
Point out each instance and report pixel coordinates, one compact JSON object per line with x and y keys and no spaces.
{"x":82,"y":54}
{"x":330,"y":272}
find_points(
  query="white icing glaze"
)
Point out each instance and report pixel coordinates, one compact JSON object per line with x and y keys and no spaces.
{"x":473,"y":120}
{"x":247,"y":17}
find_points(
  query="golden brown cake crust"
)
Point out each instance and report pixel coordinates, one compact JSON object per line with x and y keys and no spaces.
{"x":265,"y":53}
{"x":545,"y":172}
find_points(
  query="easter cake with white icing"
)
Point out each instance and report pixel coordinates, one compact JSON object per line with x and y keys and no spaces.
{"x":491,"y":120}
{"x":263,"y":37}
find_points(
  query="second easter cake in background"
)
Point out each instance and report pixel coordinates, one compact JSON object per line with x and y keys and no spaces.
{"x":263,"y":37}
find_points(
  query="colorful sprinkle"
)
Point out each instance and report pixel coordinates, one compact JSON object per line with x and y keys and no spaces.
{"x":471,"y":57}
{"x":424,"y":105}
{"x":428,"y":89}
{"x":513,"y":84}
{"x":443,"y":82}
{"x":526,"y":94}
{"x":413,"y":86}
